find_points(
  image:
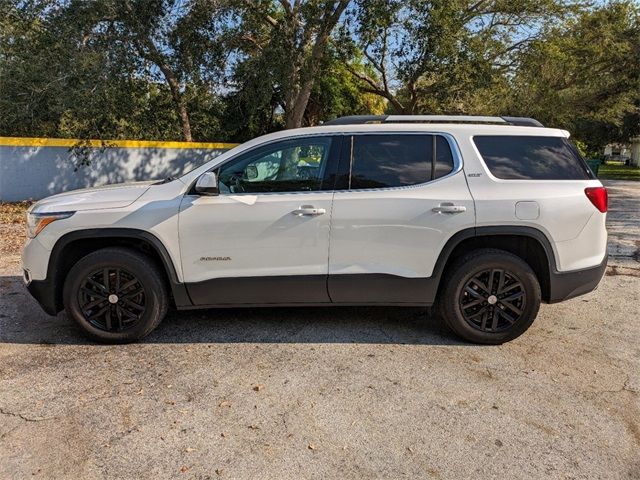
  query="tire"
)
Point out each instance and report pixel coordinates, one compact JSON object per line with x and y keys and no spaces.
{"x":122,"y":307}
{"x":489,"y":317}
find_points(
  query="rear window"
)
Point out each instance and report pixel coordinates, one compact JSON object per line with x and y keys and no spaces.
{"x":531,"y":158}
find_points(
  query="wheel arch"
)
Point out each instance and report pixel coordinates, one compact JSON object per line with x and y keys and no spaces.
{"x":528,"y":243}
{"x":72,"y":246}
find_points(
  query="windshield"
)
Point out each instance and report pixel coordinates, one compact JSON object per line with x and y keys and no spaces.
{"x":206,"y":158}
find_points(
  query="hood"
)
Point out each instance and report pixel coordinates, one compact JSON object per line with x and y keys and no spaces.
{"x":110,"y":196}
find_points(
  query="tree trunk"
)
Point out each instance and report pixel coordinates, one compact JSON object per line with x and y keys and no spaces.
{"x":181,"y":108}
{"x":305,"y":76}
{"x":295,"y":114}
{"x":174,"y":85}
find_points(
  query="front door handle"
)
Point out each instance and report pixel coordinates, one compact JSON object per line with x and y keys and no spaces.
{"x":449,"y":208}
{"x":309,"y":211}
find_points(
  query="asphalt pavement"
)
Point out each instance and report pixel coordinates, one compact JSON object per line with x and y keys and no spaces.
{"x":330,"y":392}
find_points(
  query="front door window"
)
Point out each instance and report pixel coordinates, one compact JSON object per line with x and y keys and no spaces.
{"x":296,"y":165}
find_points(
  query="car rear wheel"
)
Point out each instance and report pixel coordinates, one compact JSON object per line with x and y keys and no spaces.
{"x":490,"y":296}
{"x":115,"y":295}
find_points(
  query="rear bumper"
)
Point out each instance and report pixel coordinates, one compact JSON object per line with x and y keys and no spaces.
{"x":566,"y":285}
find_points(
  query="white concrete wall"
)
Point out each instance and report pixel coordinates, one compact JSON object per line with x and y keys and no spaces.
{"x":32,"y":172}
{"x":635,"y":152}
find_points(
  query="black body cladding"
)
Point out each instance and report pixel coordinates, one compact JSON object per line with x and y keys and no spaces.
{"x":294,"y":290}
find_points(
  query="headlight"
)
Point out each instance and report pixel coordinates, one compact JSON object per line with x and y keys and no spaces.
{"x":37,"y":221}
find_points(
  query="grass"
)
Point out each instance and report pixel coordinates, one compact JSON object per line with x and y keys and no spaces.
{"x":618,"y":171}
{"x":12,"y":227}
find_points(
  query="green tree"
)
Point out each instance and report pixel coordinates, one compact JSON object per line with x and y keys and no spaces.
{"x":287,"y":42}
{"x":170,"y":39}
{"x":442,"y":56}
{"x":234,"y":69}
{"x":337,"y":92}
{"x":255,"y":105}
{"x":109,"y":69}
{"x":584,"y":75}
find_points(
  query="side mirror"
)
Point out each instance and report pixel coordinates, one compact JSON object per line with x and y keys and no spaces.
{"x":207,"y":184}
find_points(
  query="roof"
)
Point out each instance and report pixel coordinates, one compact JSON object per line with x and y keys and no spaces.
{"x":456,"y":129}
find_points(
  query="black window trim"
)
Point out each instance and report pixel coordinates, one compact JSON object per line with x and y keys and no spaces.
{"x":348,"y":152}
{"x":339,"y":150}
{"x":583,"y":164}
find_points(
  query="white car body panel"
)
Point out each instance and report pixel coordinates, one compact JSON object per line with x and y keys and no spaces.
{"x":589,"y":248}
{"x":253,"y":235}
{"x":155,"y":211}
{"x":96,"y":198}
{"x":563,"y":208}
{"x":395,"y":231}
{"x":35,"y":259}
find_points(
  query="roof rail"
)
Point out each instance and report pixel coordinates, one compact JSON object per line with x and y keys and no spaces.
{"x":363,"y":119}
{"x":357,"y":119}
{"x":523,"y":121}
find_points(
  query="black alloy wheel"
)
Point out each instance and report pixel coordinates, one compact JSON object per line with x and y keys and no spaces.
{"x":112,"y":299}
{"x":489,"y":296}
{"x":493,"y":300}
{"x":116,"y":294}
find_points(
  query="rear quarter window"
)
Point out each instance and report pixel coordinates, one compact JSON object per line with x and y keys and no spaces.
{"x":511,"y":157}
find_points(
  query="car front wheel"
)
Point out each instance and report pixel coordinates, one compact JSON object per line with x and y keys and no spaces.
{"x":115,"y":295}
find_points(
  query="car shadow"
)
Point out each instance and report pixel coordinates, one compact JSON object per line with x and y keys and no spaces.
{"x":23,"y":322}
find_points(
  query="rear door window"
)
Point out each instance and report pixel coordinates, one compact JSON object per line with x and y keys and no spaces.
{"x":397,"y":160}
{"x":511,"y":157}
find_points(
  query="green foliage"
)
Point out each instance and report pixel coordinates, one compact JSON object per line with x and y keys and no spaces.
{"x":583,"y":149}
{"x":337,"y":93}
{"x":584,"y":75}
{"x":230,"y":70}
{"x":443,"y":56}
{"x":79,"y":69}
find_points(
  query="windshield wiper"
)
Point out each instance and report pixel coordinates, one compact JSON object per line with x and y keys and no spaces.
{"x":166,"y":180}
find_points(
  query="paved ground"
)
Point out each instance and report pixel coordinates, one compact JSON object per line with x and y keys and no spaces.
{"x":330,"y":393}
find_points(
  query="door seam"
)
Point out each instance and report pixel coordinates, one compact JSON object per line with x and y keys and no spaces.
{"x":333,"y":197}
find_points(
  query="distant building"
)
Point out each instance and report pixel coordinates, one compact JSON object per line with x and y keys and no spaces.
{"x":617,"y":151}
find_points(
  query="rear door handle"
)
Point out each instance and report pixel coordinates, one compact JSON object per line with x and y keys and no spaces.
{"x":449,"y":208}
{"x":309,"y":211}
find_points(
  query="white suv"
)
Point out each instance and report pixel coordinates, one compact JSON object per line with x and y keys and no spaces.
{"x":484,"y":217}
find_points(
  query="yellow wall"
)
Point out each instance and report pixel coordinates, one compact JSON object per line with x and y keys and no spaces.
{"x":70,"y":142}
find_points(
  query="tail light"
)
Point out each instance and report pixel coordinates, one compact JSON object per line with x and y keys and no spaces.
{"x":599,"y":197}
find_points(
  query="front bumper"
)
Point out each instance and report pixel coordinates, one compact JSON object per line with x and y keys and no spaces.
{"x":44,"y":293}
{"x":37,"y":278}
{"x":566,"y":285}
